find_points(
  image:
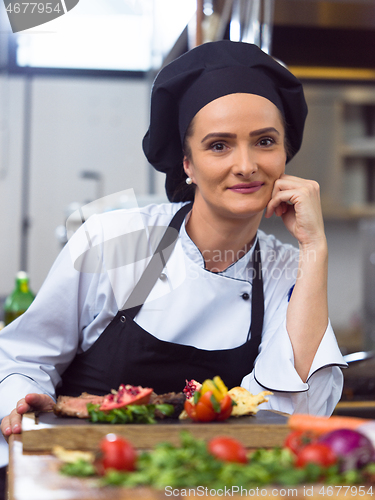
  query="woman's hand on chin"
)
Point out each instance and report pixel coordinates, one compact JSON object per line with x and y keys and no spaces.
{"x":297,"y":202}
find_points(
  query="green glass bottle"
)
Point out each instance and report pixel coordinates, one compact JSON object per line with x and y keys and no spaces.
{"x":19,"y":300}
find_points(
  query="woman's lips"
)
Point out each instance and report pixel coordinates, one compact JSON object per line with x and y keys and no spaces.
{"x":247,"y":188}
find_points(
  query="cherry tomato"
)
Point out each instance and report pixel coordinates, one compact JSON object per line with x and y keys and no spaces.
{"x":227,"y":449}
{"x":316,"y":453}
{"x":206,"y":413}
{"x":117,"y":453}
{"x":297,"y":440}
{"x":190,"y":410}
{"x":225,"y":408}
{"x":204,"y":408}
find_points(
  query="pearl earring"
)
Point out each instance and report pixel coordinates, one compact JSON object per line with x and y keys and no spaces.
{"x":188,"y":180}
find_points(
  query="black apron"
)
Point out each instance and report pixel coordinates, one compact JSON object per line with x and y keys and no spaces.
{"x":127,"y":354}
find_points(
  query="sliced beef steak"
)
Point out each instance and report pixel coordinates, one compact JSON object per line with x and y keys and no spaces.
{"x":67,"y":406}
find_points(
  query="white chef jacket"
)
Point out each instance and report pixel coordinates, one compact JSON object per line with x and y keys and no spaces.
{"x":95,"y":274}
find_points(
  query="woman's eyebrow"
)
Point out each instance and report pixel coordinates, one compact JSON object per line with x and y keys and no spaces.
{"x":228,"y":135}
{"x":263,"y":131}
{"x":219,"y":134}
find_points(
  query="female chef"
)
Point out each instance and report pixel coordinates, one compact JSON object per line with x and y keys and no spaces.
{"x":219,"y":296}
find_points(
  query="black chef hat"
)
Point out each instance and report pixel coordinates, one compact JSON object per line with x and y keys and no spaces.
{"x":202,"y":75}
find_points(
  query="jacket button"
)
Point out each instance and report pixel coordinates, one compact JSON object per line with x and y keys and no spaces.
{"x":163,"y":276}
{"x":123,"y":319}
{"x":245,"y":296}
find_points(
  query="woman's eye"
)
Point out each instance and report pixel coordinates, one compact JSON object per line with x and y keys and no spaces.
{"x":218,"y":146}
{"x":266,"y":141}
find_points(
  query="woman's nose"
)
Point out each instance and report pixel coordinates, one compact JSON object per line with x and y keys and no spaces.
{"x":244,"y":162}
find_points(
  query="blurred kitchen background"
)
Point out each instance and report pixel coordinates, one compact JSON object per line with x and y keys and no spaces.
{"x":74,"y":101}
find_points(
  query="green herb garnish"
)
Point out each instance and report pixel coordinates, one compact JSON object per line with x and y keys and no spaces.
{"x":131,"y":414}
{"x":80,"y":468}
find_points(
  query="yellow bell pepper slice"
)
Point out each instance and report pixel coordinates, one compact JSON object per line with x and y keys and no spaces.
{"x":220,"y":385}
{"x":208,"y":385}
{"x":216,"y":386}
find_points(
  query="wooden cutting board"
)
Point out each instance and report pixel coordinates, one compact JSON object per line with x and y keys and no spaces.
{"x":266,"y":429}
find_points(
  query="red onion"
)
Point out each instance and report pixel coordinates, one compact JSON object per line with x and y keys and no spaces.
{"x":353,"y":449}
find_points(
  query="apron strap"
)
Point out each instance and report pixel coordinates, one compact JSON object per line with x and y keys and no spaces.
{"x":257,"y":300}
{"x":157,"y":263}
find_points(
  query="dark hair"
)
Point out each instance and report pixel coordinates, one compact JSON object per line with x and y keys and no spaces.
{"x":183,"y":191}
{"x":186,"y":146}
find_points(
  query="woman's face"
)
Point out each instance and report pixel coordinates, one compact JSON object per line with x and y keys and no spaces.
{"x":236,"y":153}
